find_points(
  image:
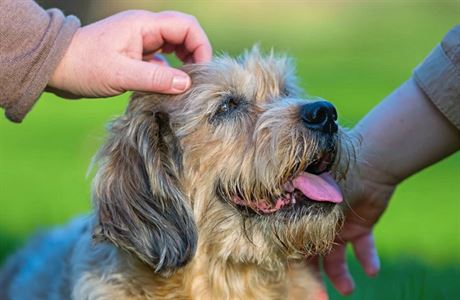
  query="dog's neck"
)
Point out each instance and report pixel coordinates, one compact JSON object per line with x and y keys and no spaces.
{"x":225,"y":279}
{"x":227,"y":265}
{"x":211,"y":276}
{"x":206,"y":278}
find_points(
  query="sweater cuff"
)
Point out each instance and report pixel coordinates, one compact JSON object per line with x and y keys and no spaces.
{"x":439,"y":77}
{"x":66,"y":28}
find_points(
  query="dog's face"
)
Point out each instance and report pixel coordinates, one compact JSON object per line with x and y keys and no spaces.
{"x":241,"y":161}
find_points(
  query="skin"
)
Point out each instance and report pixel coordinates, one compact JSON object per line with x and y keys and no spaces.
{"x":402,"y":135}
{"x":116,"y":54}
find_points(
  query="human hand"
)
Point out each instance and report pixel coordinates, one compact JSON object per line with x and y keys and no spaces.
{"x":116,"y":54}
{"x":402,"y":135}
{"x":368,"y":191}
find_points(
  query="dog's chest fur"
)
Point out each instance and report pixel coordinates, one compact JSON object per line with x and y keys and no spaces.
{"x":200,"y":280}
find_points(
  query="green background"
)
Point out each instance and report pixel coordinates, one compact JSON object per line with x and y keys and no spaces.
{"x":353,"y":53}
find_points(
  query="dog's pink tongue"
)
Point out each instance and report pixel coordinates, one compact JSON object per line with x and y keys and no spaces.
{"x":321,"y":187}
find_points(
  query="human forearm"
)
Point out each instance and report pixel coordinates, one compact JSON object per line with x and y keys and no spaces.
{"x":31,"y":45}
{"x":404,"y":134}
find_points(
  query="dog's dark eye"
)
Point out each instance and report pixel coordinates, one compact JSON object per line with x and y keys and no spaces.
{"x":228,"y":105}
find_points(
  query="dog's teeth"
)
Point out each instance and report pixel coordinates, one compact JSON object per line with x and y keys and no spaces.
{"x":293,"y":199}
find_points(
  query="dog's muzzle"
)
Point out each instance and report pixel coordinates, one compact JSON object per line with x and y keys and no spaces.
{"x":314,"y":186}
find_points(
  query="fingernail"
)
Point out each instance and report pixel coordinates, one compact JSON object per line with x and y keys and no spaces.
{"x":347,"y":285}
{"x":348,"y":289}
{"x":374,"y":265}
{"x":180,"y":82}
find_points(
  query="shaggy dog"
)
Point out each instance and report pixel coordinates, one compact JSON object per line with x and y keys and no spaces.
{"x":218,"y":193}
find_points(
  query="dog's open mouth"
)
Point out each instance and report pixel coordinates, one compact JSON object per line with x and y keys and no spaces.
{"x":314,"y":184}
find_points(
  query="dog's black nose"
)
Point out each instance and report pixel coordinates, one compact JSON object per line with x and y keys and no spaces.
{"x":320,"y":116}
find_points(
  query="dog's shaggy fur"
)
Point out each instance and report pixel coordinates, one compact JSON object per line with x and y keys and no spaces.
{"x":165,"y":223}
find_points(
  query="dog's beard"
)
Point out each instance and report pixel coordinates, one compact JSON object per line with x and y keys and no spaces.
{"x":292,"y":234}
{"x":294,"y":231}
{"x":307,"y":231}
{"x":296,"y":228}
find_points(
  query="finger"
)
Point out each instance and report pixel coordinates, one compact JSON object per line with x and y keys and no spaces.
{"x":178,"y":29}
{"x":336,"y":269}
{"x":366,"y":253}
{"x":203,"y":53}
{"x":150,"y":77}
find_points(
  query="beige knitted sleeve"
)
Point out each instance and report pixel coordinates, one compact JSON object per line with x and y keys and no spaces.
{"x":439,"y":76}
{"x":32,"y":42}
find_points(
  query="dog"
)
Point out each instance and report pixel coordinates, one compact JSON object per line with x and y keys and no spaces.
{"x":218,"y":193}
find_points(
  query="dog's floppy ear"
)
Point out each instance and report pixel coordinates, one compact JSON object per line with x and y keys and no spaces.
{"x":137,"y":194}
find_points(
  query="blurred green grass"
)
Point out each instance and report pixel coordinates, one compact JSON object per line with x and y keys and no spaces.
{"x":353,"y":53}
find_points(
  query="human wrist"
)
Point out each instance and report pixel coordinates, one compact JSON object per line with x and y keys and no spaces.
{"x":404,"y":134}
{"x":60,"y":81}
{"x":371,"y":159}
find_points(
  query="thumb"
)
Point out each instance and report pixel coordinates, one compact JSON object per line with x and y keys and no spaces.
{"x":148,"y":77}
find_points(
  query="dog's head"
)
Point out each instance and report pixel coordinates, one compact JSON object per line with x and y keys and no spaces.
{"x":242,"y":161}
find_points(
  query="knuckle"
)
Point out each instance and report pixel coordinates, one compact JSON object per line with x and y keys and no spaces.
{"x":168,"y":14}
{"x":136,"y":13}
{"x":161,"y":79}
{"x":190,"y":19}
